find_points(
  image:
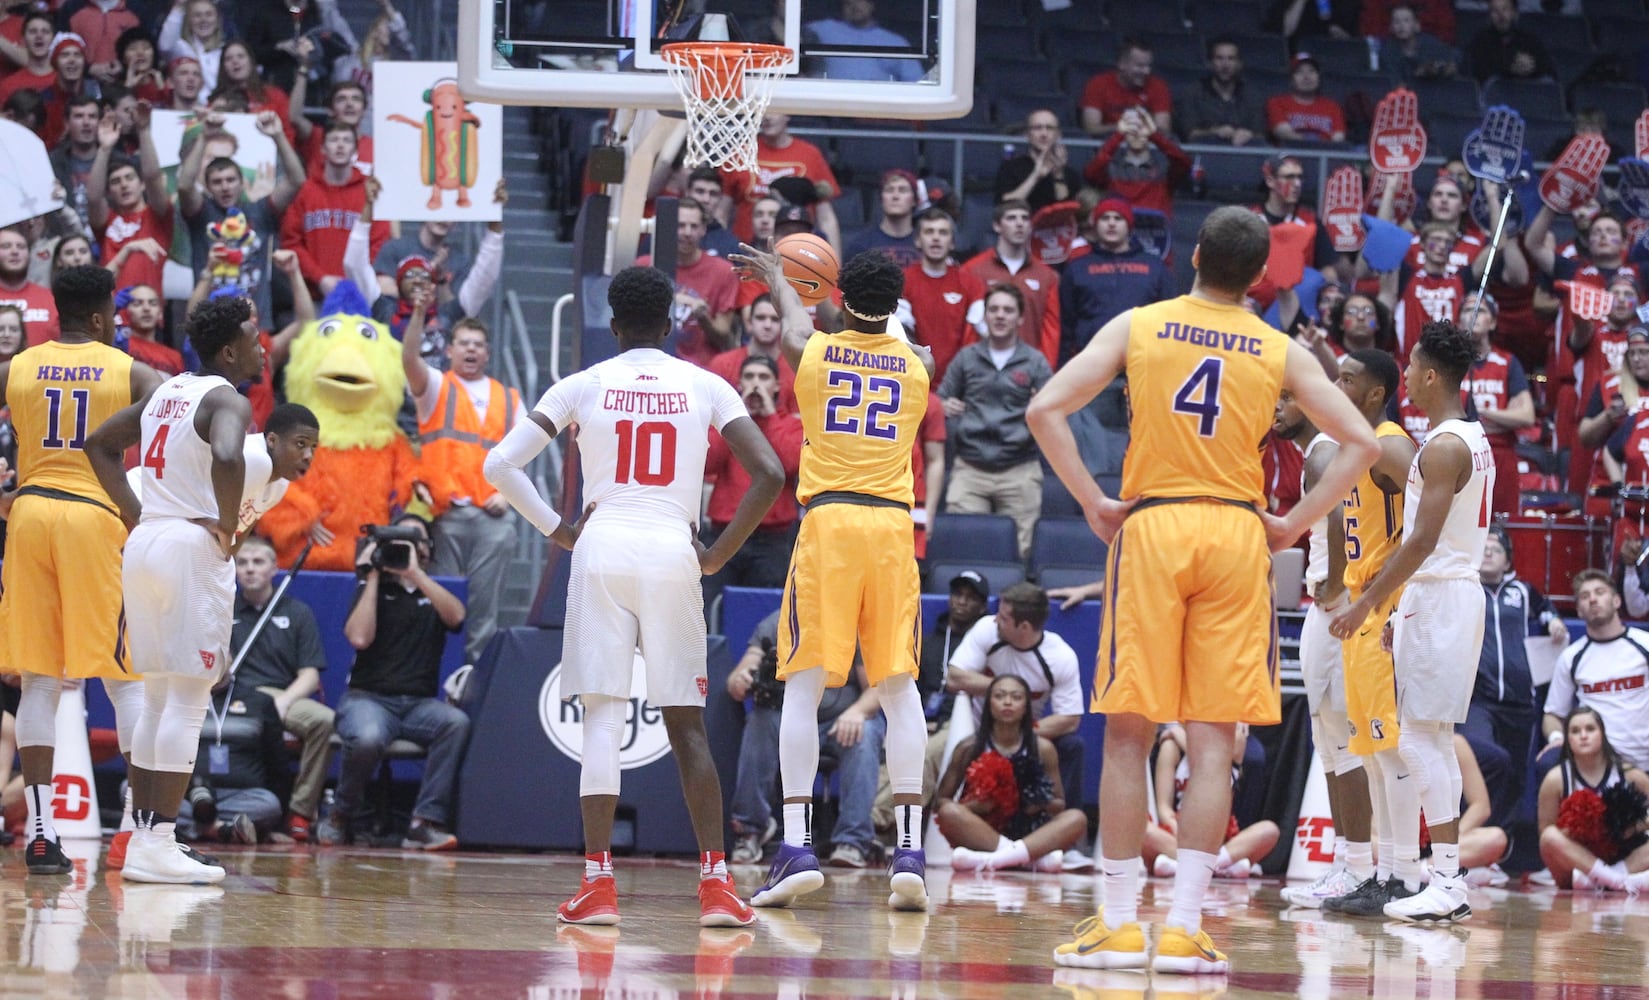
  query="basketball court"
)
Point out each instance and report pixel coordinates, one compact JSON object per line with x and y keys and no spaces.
{"x":348,"y":923}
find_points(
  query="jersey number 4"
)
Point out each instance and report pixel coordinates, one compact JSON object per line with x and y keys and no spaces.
{"x":646,"y":452}
{"x":856,"y":389}
{"x":1199,"y":395}
{"x":155,"y":457}
{"x":82,"y":399}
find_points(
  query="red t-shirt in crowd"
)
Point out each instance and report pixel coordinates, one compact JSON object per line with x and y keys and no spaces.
{"x":784,"y":432}
{"x":1039,"y":283}
{"x":799,"y":159}
{"x":711,"y":279}
{"x":125,"y":227}
{"x":156,"y":355}
{"x":39,"y":310}
{"x":1426,"y":298}
{"x":1106,"y":93}
{"x":940,"y":308}
{"x":1467,"y":246}
{"x":1283,"y":463}
{"x":1316,"y":120}
{"x":728,"y":364}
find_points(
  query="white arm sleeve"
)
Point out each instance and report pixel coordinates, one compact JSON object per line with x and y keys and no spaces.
{"x":358,"y":261}
{"x":505,"y":469}
{"x":483,"y":276}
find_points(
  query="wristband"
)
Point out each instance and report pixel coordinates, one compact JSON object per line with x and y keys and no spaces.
{"x":1554,"y":739}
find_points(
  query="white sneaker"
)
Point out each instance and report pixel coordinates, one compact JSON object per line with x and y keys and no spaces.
{"x":1164,"y":866}
{"x":1543,"y":877}
{"x":1053,"y":861}
{"x":1637,"y":884}
{"x":1075,"y":861}
{"x":1330,"y":885}
{"x":1611,"y":877}
{"x":1491,"y":877}
{"x":152,"y":857}
{"x":1238,"y":869}
{"x":1579,"y":881}
{"x":1442,"y":901}
{"x":964,"y":859}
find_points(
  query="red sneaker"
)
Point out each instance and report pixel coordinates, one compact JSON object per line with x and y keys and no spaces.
{"x":117,"y":851}
{"x":596,"y":903}
{"x":298,"y":829}
{"x":720,"y":905}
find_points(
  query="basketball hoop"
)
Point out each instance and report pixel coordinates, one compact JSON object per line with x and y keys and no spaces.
{"x":726,"y":87}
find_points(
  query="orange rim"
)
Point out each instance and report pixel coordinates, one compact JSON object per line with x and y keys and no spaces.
{"x":718,"y":68}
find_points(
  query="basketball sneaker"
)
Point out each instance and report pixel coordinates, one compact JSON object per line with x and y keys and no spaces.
{"x":596,"y":903}
{"x":1184,"y":954}
{"x":907,"y":877}
{"x":1368,"y":899}
{"x":1443,"y":901}
{"x":298,"y":828}
{"x":1095,"y":946}
{"x":155,"y":857}
{"x":1053,"y":861}
{"x":116,"y":858}
{"x":1331,"y":884}
{"x":720,"y":905}
{"x":794,"y":873}
{"x":46,"y":857}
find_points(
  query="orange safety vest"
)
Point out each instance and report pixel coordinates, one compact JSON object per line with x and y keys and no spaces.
{"x":455,"y":442}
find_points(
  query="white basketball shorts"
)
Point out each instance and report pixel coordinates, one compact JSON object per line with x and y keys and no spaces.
{"x":1437,"y":638}
{"x":180,"y":599}
{"x":1322,"y":668}
{"x":635,"y":590}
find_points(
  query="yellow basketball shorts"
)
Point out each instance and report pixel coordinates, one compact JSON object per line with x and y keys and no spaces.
{"x":62,"y":614}
{"x":1371,"y":685}
{"x":852,"y":581}
{"x":1188,"y":632}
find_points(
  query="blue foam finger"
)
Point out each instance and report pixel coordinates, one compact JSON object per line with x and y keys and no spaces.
{"x":1634,"y":186}
{"x":1493,"y":150}
{"x":1387,"y":244}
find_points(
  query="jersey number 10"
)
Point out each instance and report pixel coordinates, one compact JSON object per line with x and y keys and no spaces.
{"x":637,"y":444}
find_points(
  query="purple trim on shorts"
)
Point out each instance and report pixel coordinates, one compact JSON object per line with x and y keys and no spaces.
{"x":1109,"y":610}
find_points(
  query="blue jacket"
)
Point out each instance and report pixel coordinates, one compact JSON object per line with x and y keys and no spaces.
{"x":1098,"y":286}
{"x":1515,"y":610}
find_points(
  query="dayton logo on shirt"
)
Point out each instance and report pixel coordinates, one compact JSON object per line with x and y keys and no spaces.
{"x":952,"y":298}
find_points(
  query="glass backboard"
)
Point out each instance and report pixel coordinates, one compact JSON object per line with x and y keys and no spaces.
{"x":854,"y":58}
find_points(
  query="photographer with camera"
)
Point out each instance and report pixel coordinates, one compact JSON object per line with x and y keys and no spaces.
{"x":398,"y":628}
{"x":851,"y":730}
{"x":764,"y":558}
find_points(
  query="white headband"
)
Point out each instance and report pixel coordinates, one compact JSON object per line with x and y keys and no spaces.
{"x":859,"y":315}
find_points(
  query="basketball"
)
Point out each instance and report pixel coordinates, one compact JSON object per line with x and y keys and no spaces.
{"x":810,"y":265}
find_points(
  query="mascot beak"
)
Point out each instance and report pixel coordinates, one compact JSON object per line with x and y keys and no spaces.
{"x":345,"y":379}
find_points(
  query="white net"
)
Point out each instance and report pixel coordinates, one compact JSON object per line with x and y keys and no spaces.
{"x":726,"y":87}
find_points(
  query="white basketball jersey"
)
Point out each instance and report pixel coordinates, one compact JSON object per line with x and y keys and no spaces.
{"x":261,"y":491}
{"x":643,"y":433}
{"x":1316,"y":563}
{"x":1459,"y":550}
{"x":176,"y":460}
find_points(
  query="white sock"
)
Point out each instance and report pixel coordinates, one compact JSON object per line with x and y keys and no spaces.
{"x":1360,"y":859}
{"x":167,"y":831}
{"x":1196,"y":868}
{"x":1223,"y":860}
{"x":1340,"y":845}
{"x":1385,"y":867}
{"x":908,"y":821}
{"x":1002,"y":844}
{"x":1608,"y":876}
{"x":39,"y":798}
{"x":598,"y":865}
{"x":798,"y":823}
{"x":1013,"y":854}
{"x":127,"y":823}
{"x":1445,"y":859}
{"x":1119,"y":890}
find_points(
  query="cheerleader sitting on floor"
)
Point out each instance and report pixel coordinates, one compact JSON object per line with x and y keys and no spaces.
{"x":1000,"y":803}
{"x":1244,"y":847}
{"x":1592,"y":807}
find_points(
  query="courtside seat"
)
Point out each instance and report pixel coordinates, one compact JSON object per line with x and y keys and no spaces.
{"x":966,"y":538}
{"x":997,"y":574}
{"x":1065,"y":541}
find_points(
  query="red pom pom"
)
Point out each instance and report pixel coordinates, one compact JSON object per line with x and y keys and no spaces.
{"x":1231,"y":827}
{"x":990,"y":779}
{"x":1580,"y":816}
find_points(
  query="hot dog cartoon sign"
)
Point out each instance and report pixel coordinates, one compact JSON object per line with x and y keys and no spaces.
{"x":436,"y":150}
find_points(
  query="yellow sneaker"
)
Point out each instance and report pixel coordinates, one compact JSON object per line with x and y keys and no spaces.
{"x":1098,"y":947}
{"x":1188,"y":954}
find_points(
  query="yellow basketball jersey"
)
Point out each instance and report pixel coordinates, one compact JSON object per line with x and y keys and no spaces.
{"x":1373,"y":522}
{"x":1203,"y":382}
{"x":59,"y":393}
{"x":862,"y":397}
